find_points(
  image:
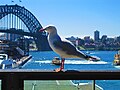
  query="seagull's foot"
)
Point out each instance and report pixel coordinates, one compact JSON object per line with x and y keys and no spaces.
{"x":61,"y":66}
{"x":58,"y":70}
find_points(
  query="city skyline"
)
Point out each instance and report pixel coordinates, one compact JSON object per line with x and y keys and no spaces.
{"x":77,"y":18}
{"x":94,"y":36}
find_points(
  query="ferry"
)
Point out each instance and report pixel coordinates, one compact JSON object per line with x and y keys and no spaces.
{"x":56,"y":61}
{"x":13,"y":54}
{"x":117,"y":59}
{"x":88,"y":52}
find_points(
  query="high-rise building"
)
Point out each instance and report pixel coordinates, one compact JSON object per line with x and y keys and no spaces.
{"x":96,"y":35}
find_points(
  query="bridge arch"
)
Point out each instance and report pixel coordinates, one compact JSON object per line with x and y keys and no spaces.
{"x":26,"y":16}
{"x":29,"y":20}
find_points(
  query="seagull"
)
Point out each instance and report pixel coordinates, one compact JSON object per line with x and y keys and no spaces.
{"x":63,"y":48}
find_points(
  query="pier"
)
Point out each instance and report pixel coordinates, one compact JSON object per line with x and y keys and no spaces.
{"x":13,"y":55}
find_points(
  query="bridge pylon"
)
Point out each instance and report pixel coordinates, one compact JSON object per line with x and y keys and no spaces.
{"x":44,"y":46}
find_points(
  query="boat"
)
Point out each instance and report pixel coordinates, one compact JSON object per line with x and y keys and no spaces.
{"x":13,"y":55}
{"x":117,"y":58}
{"x":56,"y":61}
{"x":3,"y":57}
{"x":88,"y":52}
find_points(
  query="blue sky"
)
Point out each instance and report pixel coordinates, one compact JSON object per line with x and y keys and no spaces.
{"x":76,"y":17}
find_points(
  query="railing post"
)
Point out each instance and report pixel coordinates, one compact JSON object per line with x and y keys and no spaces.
{"x":12,"y":82}
{"x":93,"y":84}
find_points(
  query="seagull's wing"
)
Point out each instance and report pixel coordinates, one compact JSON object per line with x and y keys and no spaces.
{"x":68,"y":48}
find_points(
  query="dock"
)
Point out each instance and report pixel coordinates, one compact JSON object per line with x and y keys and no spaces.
{"x":22,"y":61}
{"x":13,"y":54}
{"x":57,"y":85}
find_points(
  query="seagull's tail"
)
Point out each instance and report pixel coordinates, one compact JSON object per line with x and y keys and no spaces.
{"x":90,"y":58}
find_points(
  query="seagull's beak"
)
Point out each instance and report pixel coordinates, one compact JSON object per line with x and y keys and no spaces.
{"x":42,"y":29}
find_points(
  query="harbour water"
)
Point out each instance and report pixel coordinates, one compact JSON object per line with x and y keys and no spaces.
{"x":42,"y":61}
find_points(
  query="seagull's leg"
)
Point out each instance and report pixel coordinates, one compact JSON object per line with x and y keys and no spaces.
{"x":62,"y":64}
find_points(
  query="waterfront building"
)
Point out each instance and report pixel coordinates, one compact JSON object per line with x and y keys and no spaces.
{"x":72,"y":39}
{"x":87,"y":39}
{"x":103,"y":38}
{"x":79,"y":42}
{"x":11,"y":37}
{"x":118,"y":39}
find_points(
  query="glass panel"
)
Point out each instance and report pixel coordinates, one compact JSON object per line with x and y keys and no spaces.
{"x":109,"y":84}
{"x":59,"y":85}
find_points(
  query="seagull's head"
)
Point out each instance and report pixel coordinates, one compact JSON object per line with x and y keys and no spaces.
{"x":49,"y":29}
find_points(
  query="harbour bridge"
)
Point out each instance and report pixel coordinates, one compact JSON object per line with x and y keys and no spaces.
{"x":15,"y":19}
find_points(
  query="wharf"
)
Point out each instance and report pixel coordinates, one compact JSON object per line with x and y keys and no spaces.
{"x":22,"y":61}
{"x":57,"y":85}
{"x":13,"y":54}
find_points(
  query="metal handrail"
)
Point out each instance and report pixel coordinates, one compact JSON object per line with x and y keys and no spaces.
{"x":14,"y":79}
